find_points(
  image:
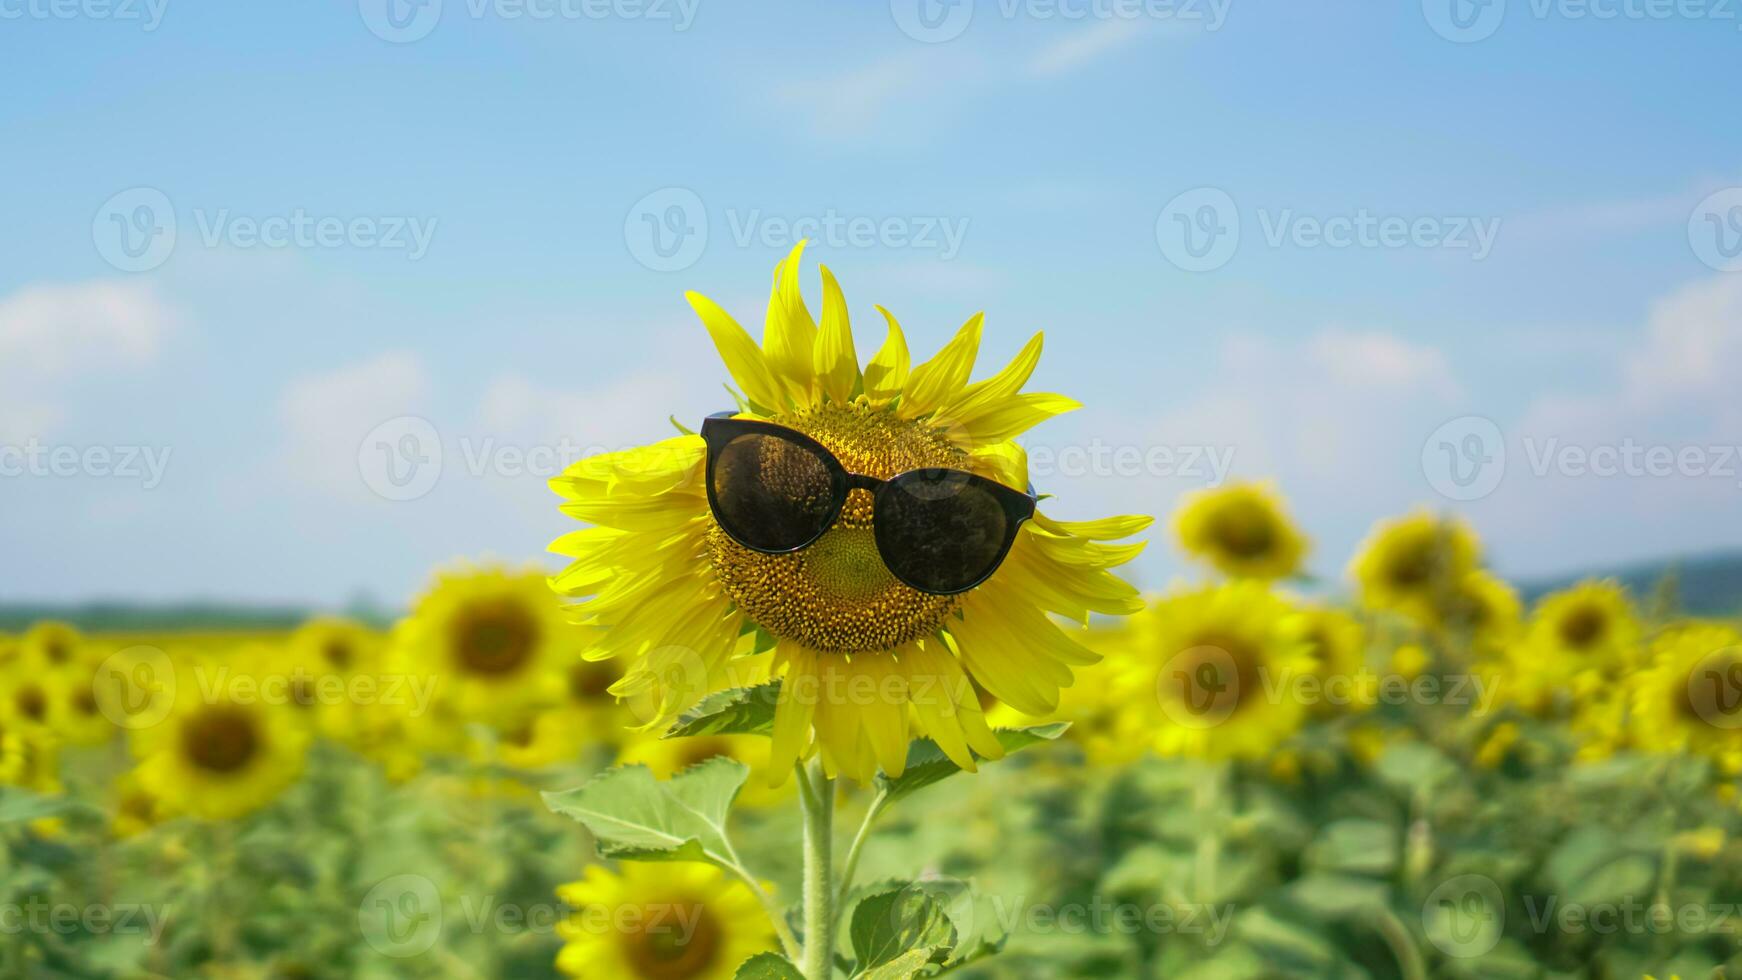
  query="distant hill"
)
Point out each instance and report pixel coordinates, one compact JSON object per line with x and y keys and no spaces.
{"x":1700,"y":585}
{"x":131,"y":617}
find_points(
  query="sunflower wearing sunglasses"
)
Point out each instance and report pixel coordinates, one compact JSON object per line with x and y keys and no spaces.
{"x":874,"y":528}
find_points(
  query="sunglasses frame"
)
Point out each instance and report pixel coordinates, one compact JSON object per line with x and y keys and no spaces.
{"x":719,"y":429}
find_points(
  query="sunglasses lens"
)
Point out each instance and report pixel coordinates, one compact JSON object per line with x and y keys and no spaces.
{"x":938,"y":531}
{"x":770,"y":493}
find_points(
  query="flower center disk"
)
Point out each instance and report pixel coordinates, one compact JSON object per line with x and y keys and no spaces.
{"x":836,"y":595}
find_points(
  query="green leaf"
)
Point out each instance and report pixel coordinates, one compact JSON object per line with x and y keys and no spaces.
{"x":1415,"y":767}
{"x":740,"y":711}
{"x":1331,"y":896}
{"x":892,"y":924}
{"x":903,"y":967}
{"x":1359,"y":846}
{"x":635,"y":817}
{"x":768,"y":966}
{"x":927,"y":764}
{"x":17,"y":806}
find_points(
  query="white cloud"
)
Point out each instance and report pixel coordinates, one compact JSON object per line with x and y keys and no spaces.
{"x":53,"y":333}
{"x":1086,"y":46}
{"x":326,"y":417}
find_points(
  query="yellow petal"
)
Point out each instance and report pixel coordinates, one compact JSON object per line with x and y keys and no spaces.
{"x":1010,"y":418}
{"x":834,"y":360}
{"x":887,"y":373}
{"x":746,"y":362}
{"x":789,"y":333}
{"x":981,"y":396}
{"x":940,"y":379}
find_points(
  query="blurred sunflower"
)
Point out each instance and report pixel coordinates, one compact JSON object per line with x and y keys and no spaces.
{"x":1579,"y":643}
{"x":1241,"y":529}
{"x":133,"y":809}
{"x":218,"y":756}
{"x":14,"y":755}
{"x":863,"y":655}
{"x":332,"y":667}
{"x":1484,"y":611}
{"x":31,"y":702}
{"x":1338,"y":645}
{"x":660,"y":922}
{"x":1690,"y":697}
{"x":1412,"y":564}
{"x":489,"y":639}
{"x":667,"y":757}
{"x":1223,"y":664}
{"x":51,"y":646}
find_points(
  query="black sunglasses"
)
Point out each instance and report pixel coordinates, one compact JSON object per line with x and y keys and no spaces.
{"x":776,"y":490}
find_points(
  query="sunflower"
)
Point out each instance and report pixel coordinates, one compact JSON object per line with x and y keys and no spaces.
{"x":52,"y":646}
{"x":1582,"y":637}
{"x":78,"y":717}
{"x":862,"y":655}
{"x":133,"y":809}
{"x":1241,"y":529}
{"x":1223,"y":664}
{"x":14,"y":755}
{"x":487,"y":638}
{"x":331,"y":667}
{"x":669,"y":756}
{"x":1690,"y":697}
{"x":1411,"y":565}
{"x":1483,"y":610}
{"x":660,"y":922}
{"x":32,"y":702}
{"x":1338,"y":645}
{"x":220,"y":755}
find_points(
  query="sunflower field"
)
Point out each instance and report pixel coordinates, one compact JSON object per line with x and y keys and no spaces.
{"x":822,"y":691}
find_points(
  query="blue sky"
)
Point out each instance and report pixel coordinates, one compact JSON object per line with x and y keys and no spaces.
{"x":478,"y":193}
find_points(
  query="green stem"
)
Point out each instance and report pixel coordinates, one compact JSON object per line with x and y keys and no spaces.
{"x":851,"y":866}
{"x":788,"y":942}
{"x":1409,"y":960}
{"x":1206,"y":806}
{"x":818,"y":797}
